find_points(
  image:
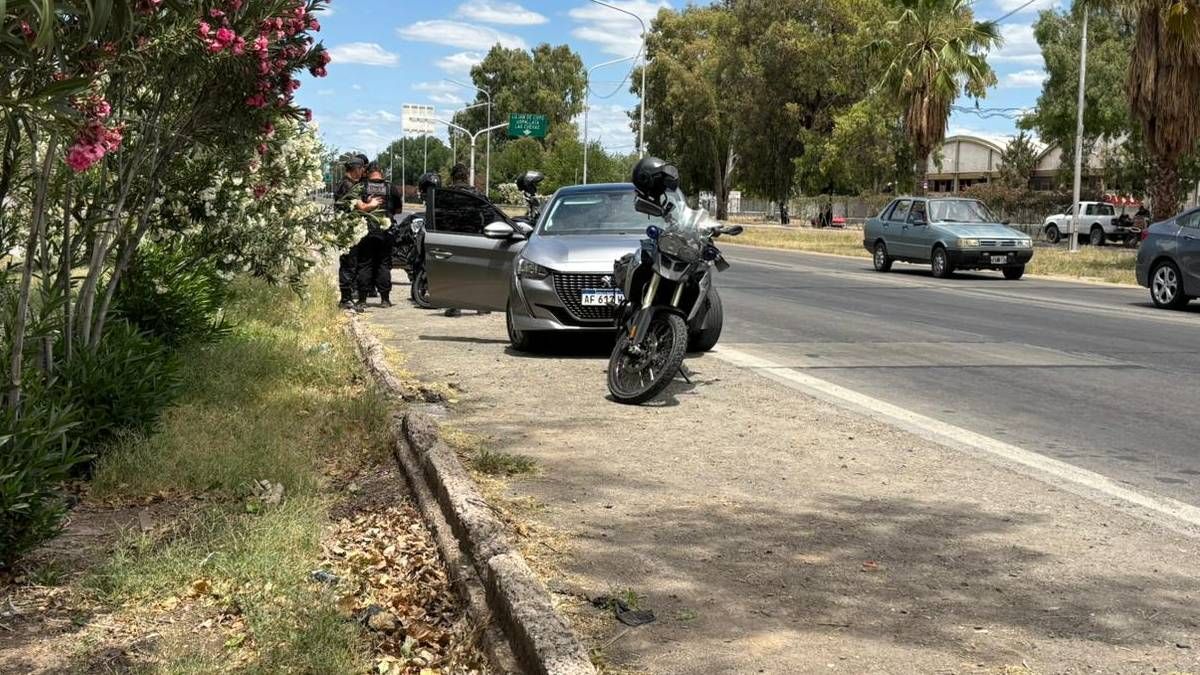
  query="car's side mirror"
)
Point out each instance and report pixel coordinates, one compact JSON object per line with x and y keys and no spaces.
{"x":524,"y":228}
{"x":1006,"y":222}
{"x":499,"y":230}
{"x":643,"y":205}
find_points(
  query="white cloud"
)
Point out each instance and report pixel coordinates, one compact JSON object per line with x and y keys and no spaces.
{"x":373,"y":117}
{"x":460,"y":63}
{"x":459,"y":34}
{"x":356,"y":87}
{"x":1019,"y":45}
{"x":366,"y":53}
{"x":609,"y":124}
{"x":441,"y":92}
{"x":505,"y":13}
{"x":325,"y":92}
{"x":617,"y":33}
{"x":1007,"y":6}
{"x":1025,"y":78}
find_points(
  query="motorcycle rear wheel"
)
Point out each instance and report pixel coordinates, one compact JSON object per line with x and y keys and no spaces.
{"x":420,"y":291}
{"x":634,"y":379}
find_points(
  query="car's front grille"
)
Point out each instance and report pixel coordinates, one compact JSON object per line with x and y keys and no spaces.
{"x":570,"y":289}
{"x":992,"y":243}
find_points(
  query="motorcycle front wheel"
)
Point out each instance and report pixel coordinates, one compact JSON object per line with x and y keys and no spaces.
{"x":637,"y":376}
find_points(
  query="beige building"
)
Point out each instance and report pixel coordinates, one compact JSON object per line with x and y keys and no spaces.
{"x":967,"y":160}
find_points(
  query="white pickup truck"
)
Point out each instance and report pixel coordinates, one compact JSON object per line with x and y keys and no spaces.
{"x":1098,"y":226}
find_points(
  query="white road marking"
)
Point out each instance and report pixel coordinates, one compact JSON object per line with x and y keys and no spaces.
{"x":1168,"y":512}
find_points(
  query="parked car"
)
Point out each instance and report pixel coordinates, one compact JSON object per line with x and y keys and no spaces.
{"x":1168,"y":261}
{"x":1099,"y":224}
{"x":557,"y":279}
{"x":948,"y":235}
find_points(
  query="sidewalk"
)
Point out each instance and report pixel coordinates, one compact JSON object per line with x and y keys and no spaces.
{"x":775,"y":533}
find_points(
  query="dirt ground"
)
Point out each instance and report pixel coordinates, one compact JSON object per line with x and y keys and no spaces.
{"x":774,"y":533}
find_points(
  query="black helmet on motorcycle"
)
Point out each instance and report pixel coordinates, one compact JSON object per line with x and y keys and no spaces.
{"x":427,"y":181}
{"x":528,"y":182}
{"x":652,"y":178}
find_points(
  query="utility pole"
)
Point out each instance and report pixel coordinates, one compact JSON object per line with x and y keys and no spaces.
{"x":1079,"y":135}
{"x":642,"y":106}
{"x":403,"y":172}
{"x":587,"y":108}
{"x":488,"y":175}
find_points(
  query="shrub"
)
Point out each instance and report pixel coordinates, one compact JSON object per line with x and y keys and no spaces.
{"x":125,"y":384}
{"x":173,"y":296}
{"x":36,"y":455}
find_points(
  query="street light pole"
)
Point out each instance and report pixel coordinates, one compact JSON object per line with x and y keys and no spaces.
{"x":488,"y":176}
{"x":587,"y":107}
{"x":1079,"y":135}
{"x":473,"y":137}
{"x":642,"y":112}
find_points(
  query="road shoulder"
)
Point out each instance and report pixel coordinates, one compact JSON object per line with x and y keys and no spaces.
{"x":772,"y":531}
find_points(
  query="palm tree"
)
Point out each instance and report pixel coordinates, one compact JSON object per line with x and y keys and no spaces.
{"x":934,"y":50}
{"x":1163,"y":88}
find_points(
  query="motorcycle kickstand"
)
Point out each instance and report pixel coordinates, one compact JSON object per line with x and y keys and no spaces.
{"x":683,"y":372}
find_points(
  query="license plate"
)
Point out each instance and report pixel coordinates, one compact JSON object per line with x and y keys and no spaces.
{"x":601,"y":297}
{"x":999,"y":260}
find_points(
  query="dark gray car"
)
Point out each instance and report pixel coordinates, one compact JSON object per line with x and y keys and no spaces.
{"x":1168,"y":261}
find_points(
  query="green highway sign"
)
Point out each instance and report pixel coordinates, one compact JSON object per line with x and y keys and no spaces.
{"x":524,"y":125}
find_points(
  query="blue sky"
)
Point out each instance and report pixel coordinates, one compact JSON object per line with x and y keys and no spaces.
{"x":390,"y":52}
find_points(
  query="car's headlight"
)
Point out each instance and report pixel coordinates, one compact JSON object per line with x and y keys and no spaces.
{"x":968,"y":243}
{"x":1025,"y":243}
{"x":527,"y":269}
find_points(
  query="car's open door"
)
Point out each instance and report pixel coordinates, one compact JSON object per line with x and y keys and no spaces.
{"x":468,"y":269}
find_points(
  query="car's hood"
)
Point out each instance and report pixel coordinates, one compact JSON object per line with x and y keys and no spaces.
{"x":580,"y":253}
{"x":983,"y":230}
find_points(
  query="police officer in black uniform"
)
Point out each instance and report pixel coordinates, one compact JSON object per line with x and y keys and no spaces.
{"x":375,"y":263}
{"x":347,"y":199}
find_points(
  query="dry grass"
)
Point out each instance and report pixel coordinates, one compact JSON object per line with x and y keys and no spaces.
{"x":1108,"y":264}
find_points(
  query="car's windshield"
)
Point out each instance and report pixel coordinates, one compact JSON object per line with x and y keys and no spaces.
{"x":607,"y":212}
{"x":959,"y":211}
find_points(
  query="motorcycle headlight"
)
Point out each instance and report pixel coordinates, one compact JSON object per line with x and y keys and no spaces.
{"x":527,"y":269}
{"x":968,"y":243}
{"x":416,"y":225}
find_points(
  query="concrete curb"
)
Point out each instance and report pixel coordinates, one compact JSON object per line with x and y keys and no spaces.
{"x":500,"y":584}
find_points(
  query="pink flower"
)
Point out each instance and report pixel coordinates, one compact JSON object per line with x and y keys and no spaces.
{"x":308,"y":116}
{"x":203,"y":29}
{"x":225,"y":36}
{"x":261,"y":43}
{"x":319,"y":72}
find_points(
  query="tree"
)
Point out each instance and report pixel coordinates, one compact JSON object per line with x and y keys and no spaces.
{"x":866,"y":151}
{"x":545,"y":81}
{"x":794,"y":75}
{"x":693,"y":119}
{"x":407,"y":158}
{"x":1162,"y":86}
{"x":1018,"y":162}
{"x":517,"y":157}
{"x":933,"y":51}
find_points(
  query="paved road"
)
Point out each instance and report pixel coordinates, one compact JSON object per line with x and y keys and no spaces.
{"x":1088,"y":374}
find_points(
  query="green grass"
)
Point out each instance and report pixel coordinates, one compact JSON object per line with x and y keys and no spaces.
{"x":496,"y":463}
{"x":276,"y":400}
{"x":1109,"y":264}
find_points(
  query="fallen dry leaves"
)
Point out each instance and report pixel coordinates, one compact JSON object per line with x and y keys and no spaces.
{"x":390,"y":578}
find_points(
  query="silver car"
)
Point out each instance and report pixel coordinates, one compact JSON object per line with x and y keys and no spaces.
{"x":555,"y":280}
{"x":1168,"y":260}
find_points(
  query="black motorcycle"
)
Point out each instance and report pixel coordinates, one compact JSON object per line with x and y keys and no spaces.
{"x":419,"y":288}
{"x":528,"y":183}
{"x":667,"y":286}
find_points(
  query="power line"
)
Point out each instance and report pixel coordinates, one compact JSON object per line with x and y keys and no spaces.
{"x":625,"y":79}
{"x":1027,"y":3}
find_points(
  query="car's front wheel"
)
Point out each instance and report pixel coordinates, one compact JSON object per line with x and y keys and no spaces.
{"x":881,"y":259}
{"x":941,"y":265}
{"x":1052,"y":234}
{"x":420,"y":291}
{"x":1166,"y":286}
{"x":521,"y":340}
{"x":1014,"y":273}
